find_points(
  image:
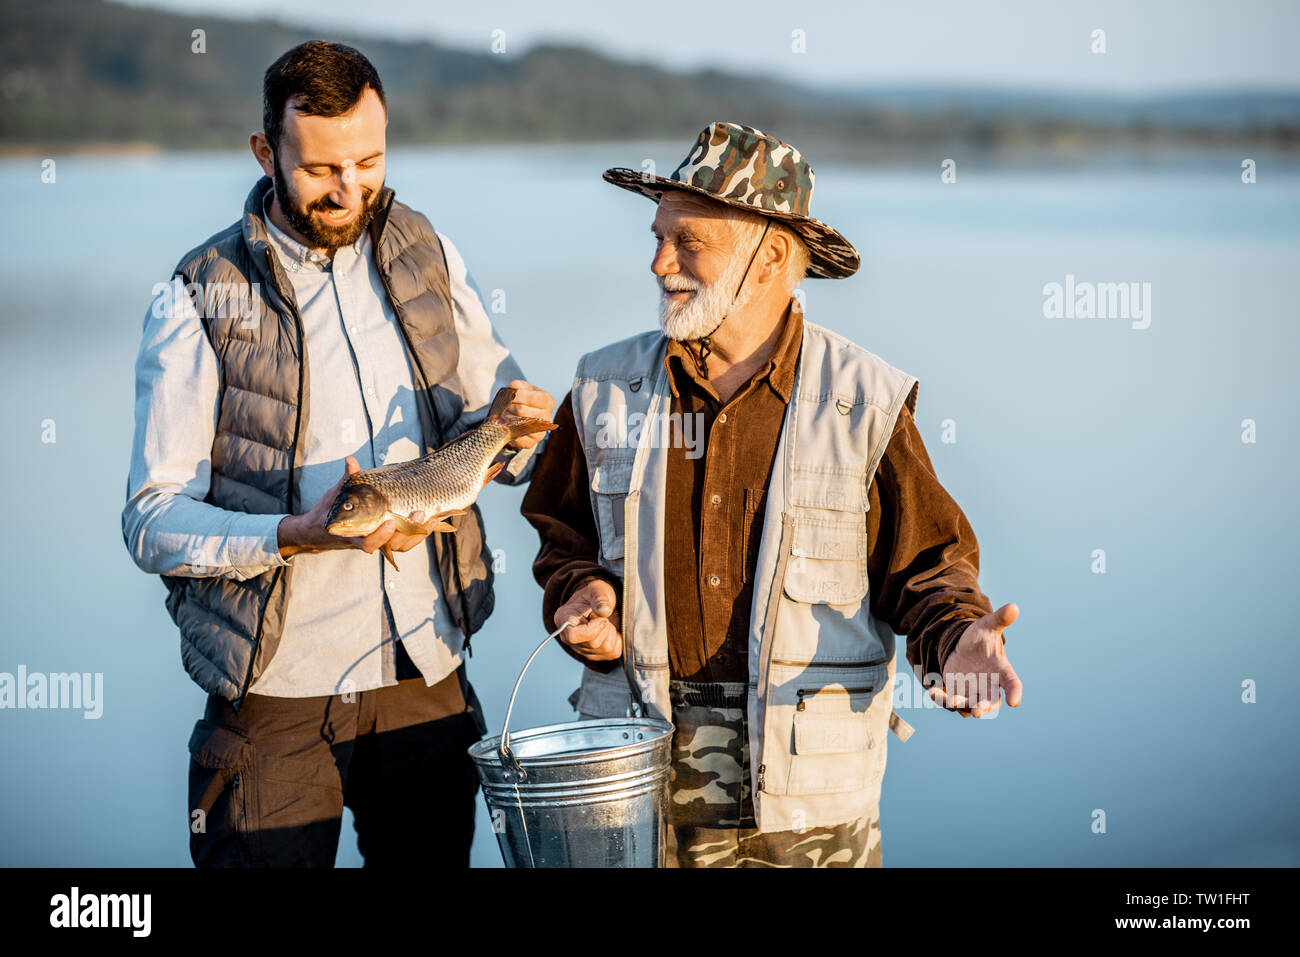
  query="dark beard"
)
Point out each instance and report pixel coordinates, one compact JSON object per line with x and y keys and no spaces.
{"x":317,"y":234}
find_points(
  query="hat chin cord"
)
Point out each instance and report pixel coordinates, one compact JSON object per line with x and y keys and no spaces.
{"x":706,"y":340}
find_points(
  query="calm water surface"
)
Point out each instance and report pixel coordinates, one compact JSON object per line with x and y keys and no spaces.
{"x":1071,"y":436}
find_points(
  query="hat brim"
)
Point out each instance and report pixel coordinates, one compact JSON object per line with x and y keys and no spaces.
{"x":831,"y":255}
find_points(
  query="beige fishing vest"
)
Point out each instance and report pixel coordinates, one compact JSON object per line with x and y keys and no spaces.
{"x":821,"y":667}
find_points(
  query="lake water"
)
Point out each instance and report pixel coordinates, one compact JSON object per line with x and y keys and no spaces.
{"x":1072,"y":435}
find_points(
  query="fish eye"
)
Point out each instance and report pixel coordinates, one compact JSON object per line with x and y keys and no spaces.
{"x":347,"y":506}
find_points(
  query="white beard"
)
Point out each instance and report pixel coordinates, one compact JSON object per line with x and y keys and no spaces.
{"x":701,"y":314}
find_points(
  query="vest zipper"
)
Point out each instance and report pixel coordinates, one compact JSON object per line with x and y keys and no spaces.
{"x":830,"y":664}
{"x":769,"y":637}
{"x":629,"y":660}
{"x":802,"y":692}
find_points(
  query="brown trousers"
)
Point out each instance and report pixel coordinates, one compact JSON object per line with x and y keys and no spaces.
{"x":268,"y":785}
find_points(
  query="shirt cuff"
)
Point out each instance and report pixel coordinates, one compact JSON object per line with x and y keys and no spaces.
{"x":255,"y":542}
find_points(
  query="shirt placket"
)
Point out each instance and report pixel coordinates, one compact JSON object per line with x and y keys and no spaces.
{"x":365,"y":364}
{"x":717,"y":562}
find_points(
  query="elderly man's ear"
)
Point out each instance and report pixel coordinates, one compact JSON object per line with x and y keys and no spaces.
{"x":780,"y":250}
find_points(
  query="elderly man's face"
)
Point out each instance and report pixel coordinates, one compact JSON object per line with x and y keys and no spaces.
{"x":699,"y":264}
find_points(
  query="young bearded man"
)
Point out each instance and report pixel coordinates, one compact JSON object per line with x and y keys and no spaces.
{"x":356,"y":340}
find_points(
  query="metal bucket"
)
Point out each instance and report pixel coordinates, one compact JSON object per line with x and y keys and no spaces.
{"x":581,"y":794}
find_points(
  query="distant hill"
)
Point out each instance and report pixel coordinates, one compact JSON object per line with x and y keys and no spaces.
{"x":87,"y":71}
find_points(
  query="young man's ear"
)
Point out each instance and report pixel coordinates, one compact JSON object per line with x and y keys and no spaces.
{"x":261,"y":148}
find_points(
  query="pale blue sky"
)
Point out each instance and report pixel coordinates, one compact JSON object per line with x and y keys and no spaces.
{"x":1152,"y":45}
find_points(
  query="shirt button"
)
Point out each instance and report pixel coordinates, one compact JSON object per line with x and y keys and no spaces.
{"x":716,"y":500}
{"x":723,"y":418}
{"x":369,"y":390}
{"x":391,"y":583}
{"x":381,"y":457}
{"x":715,"y":581}
{"x":352,"y":329}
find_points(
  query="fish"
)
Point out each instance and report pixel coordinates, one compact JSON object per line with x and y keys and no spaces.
{"x":442,"y":484}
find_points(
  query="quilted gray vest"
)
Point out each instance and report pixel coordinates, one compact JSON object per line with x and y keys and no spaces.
{"x":231,"y":629}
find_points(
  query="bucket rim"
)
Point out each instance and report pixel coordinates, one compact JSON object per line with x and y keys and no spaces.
{"x":488,"y":750}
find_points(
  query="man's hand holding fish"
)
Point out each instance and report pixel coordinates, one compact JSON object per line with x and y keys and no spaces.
{"x":530,"y":403}
{"x":306,"y":532}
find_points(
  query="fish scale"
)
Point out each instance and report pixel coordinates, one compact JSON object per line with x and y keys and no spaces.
{"x":443,"y":483}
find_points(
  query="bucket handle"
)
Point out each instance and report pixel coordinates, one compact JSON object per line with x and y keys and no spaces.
{"x":514,"y":770}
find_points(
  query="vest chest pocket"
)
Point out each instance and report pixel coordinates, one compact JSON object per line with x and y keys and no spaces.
{"x":610,"y":483}
{"x":828,"y":559}
{"x":828,"y":551}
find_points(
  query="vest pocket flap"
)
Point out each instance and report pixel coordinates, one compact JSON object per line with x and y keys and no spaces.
{"x":613,"y":479}
{"x":841,"y":490}
{"x":830,"y":733}
{"x":216,"y":746}
{"x":610,"y":483}
{"x":828,"y":562}
{"x":837,"y":541}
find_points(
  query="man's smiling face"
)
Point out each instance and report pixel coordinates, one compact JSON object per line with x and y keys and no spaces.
{"x":701,"y":252}
{"x":329,"y":171}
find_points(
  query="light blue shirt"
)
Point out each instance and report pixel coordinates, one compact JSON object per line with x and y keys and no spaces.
{"x":361,"y":403}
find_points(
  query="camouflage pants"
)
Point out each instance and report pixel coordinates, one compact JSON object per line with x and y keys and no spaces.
{"x":710,"y":808}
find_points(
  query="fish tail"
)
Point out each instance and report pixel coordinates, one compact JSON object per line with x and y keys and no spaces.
{"x":521,"y":427}
{"x":496,"y":414}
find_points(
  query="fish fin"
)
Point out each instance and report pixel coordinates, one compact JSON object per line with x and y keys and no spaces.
{"x":445,"y":526}
{"x":521,"y":427}
{"x":492,"y":472}
{"x":407,"y":527}
{"x":388,"y":554}
{"x":496,"y":414}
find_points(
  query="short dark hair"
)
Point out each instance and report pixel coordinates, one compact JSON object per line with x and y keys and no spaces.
{"x":328,"y":79}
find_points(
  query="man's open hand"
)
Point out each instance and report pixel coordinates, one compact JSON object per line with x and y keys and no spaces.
{"x":595,"y":638}
{"x":977,"y":671}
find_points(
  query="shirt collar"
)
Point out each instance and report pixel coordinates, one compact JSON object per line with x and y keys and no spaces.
{"x":779,"y":371}
{"x":293,"y":253}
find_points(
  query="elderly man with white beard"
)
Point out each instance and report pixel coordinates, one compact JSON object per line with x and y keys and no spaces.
{"x":751,"y":594}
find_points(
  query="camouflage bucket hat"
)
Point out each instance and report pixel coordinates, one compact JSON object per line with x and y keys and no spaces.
{"x":746,"y":168}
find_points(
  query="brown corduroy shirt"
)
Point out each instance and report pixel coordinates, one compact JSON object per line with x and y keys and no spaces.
{"x":922,"y":557}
